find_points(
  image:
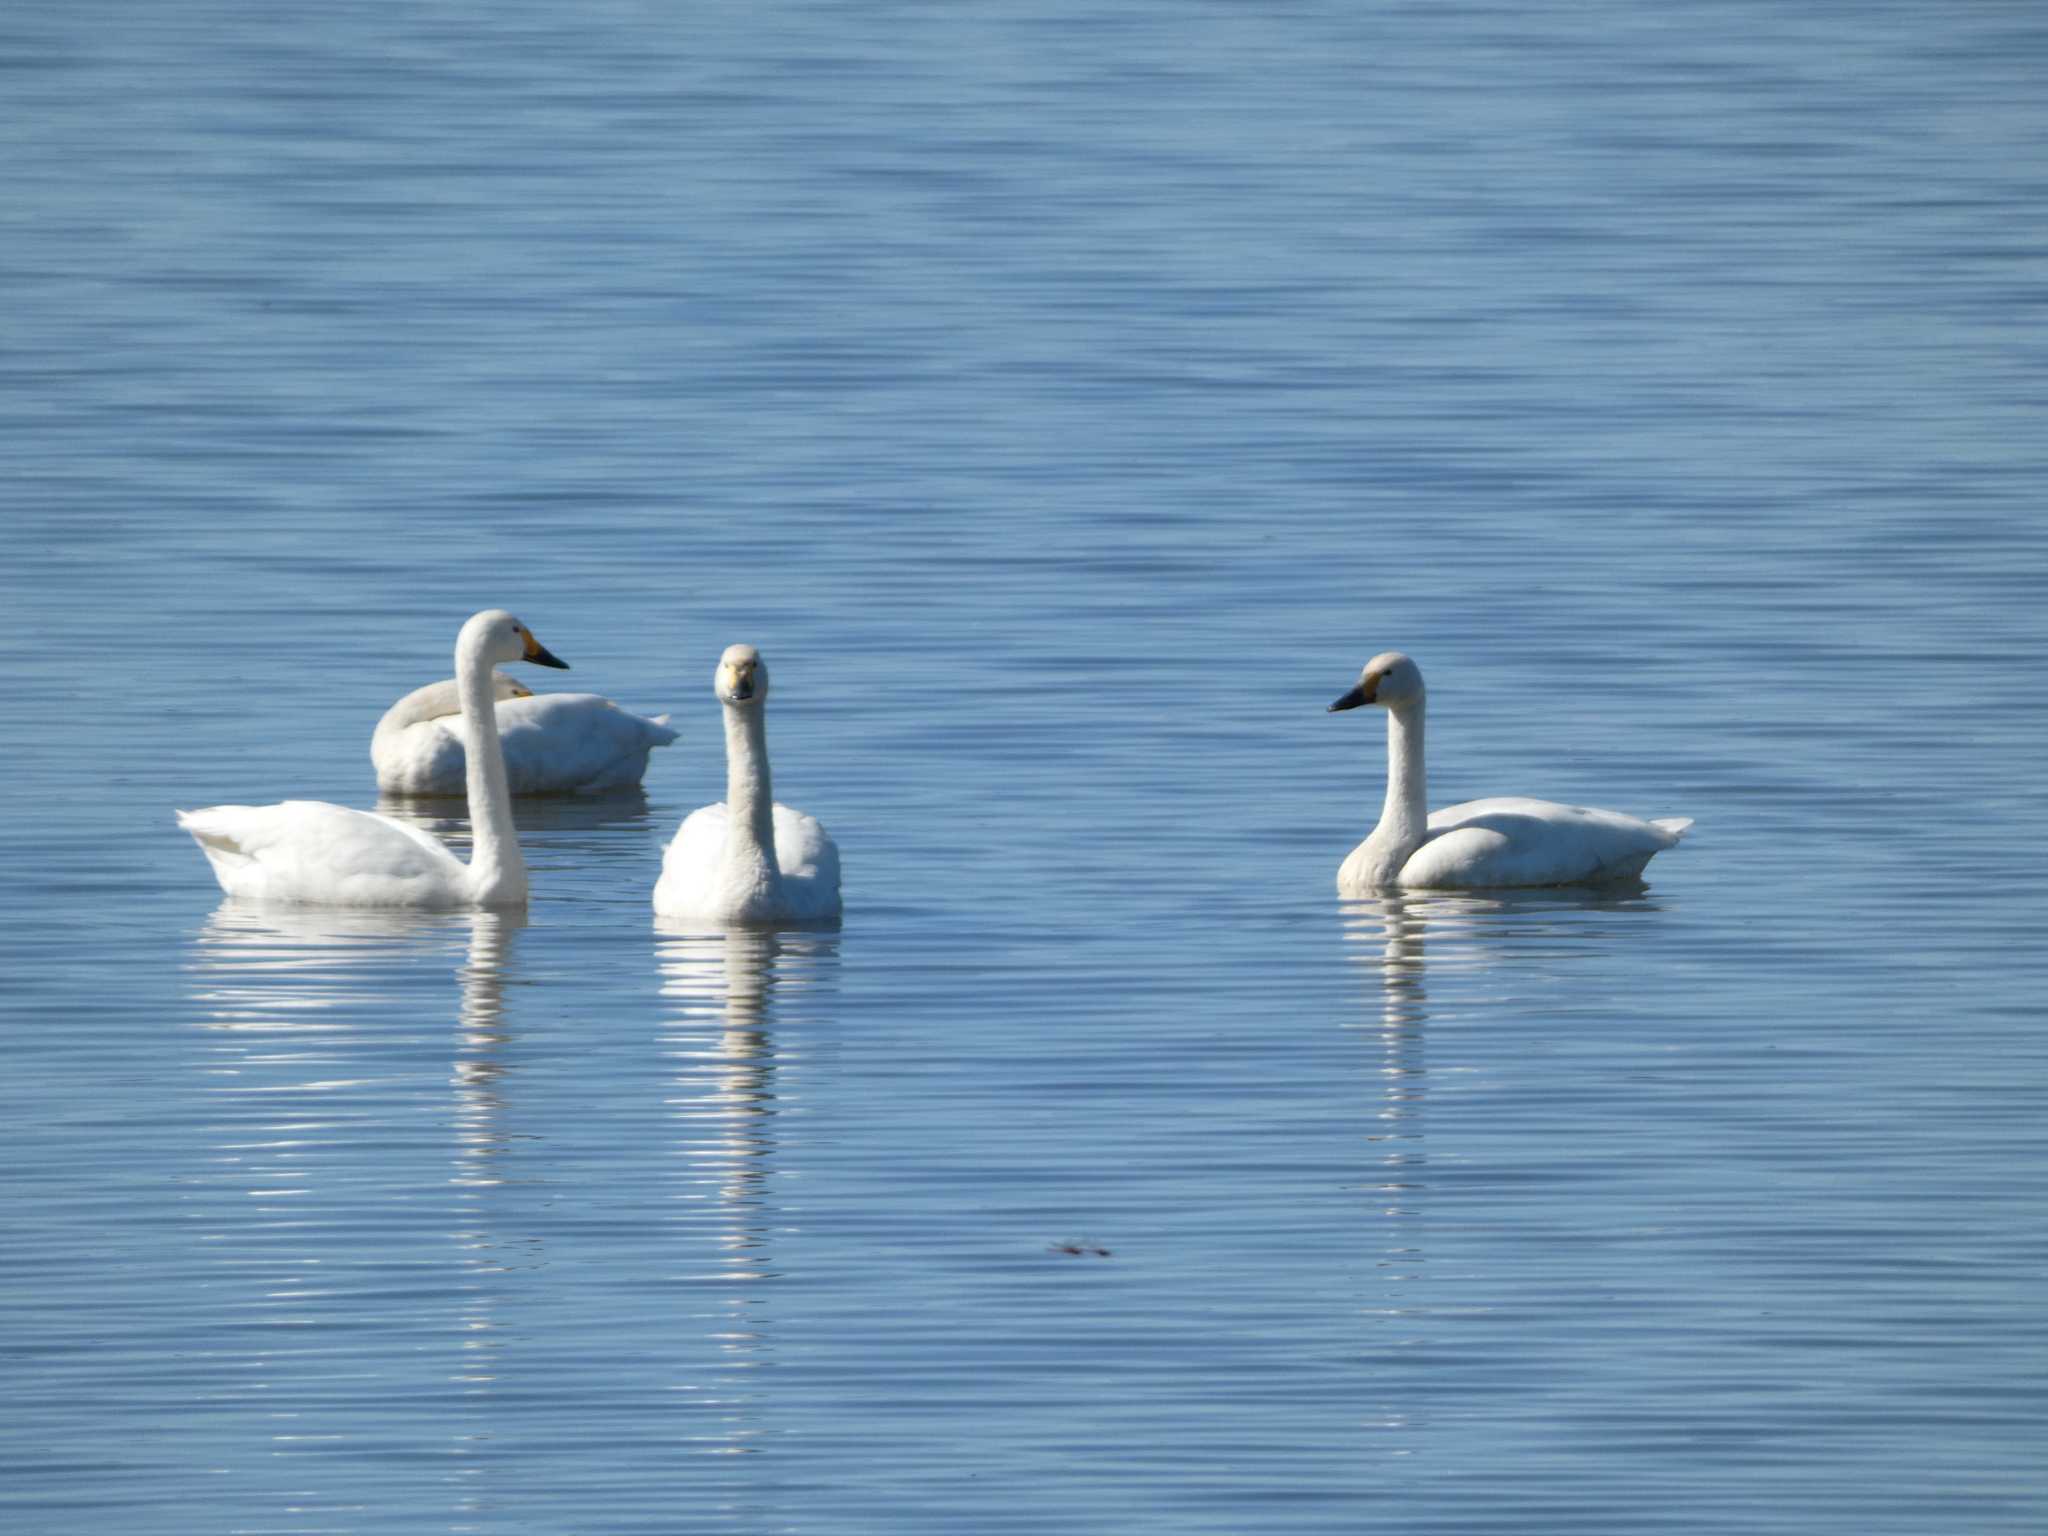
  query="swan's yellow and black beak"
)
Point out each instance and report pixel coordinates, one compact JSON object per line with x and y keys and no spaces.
{"x":739,"y":682}
{"x":540,"y":655}
{"x":1362,"y":694}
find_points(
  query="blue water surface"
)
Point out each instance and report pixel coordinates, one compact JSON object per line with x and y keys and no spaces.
{"x":1067,"y":400}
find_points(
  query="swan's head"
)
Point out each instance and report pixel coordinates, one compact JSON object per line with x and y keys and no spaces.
{"x":503,"y":638}
{"x":742,"y":676}
{"x":1390,"y":680}
{"x":439,"y":700}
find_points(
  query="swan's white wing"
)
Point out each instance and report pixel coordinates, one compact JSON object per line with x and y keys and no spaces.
{"x":558,"y":743}
{"x":810,"y":863}
{"x":415,"y":748}
{"x":1512,"y":841}
{"x":688,"y":885}
{"x":307,"y":851}
{"x":424,"y":758}
{"x":692,"y":869}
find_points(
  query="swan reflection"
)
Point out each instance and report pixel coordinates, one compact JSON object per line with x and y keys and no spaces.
{"x":1390,"y":933}
{"x":292,"y":995}
{"x":1409,"y":942}
{"x":275,"y":969}
{"x":306,"y":989}
{"x":479,"y":1044}
{"x":1408,"y":935}
{"x":726,"y":988}
{"x":736,"y":1000}
{"x":477,"y":1083}
{"x":329,"y":1038}
{"x":322,"y":1039}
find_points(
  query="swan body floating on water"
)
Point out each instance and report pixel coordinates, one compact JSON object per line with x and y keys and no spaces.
{"x":1508,"y":841}
{"x":310,"y":853}
{"x":554,"y":743}
{"x":748,"y":859}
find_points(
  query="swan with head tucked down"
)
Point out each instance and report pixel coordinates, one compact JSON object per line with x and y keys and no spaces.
{"x":310,"y":853}
{"x":1480,"y":844}
{"x":554,"y":743}
{"x":748,"y":859}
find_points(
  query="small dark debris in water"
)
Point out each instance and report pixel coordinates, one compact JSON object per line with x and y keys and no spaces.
{"x":1080,"y":1250}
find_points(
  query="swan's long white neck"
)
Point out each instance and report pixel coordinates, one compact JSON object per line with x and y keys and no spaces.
{"x":1404,"y":819}
{"x":497,"y":870}
{"x":749,"y":795}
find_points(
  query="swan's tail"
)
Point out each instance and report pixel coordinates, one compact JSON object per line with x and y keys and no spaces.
{"x":229,"y":860}
{"x":200,"y":825}
{"x":1675,"y":825}
{"x":218,"y":840}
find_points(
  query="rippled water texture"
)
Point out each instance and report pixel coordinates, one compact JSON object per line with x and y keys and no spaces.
{"x":1066,"y":401}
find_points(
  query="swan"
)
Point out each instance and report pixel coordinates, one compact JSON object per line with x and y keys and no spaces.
{"x":314,"y":854}
{"x":748,"y":859}
{"x":554,"y":743}
{"x":1508,"y":841}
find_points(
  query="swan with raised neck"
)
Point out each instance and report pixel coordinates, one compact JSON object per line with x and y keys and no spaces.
{"x":1394,"y":683}
{"x":313,"y":853}
{"x":1500,"y":842}
{"x":748,"y":859}
{"x":497,"y":869}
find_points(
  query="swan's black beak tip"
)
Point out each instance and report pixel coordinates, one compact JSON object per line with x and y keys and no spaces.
{"x":541,"y":656}
{"x":1351,"y":700}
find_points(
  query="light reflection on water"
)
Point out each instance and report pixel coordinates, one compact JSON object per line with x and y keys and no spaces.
{"x":1408,"y":934}
{"x":259,"y":967}
{"x":323,"y":1115}
{"x":477,"y":1119}
{"x":1400,"y":940}
{"x":1391,"y":935}
{"x":1063,"y":399}
{"x":1432,"y":967}
{"x":730,"y":1080}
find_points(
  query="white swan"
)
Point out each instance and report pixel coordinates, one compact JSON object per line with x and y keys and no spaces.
{"x":554,"y":743}
{"x":748,"y":859}
{"x":1482,"y":843}
{"x":312,"y":853}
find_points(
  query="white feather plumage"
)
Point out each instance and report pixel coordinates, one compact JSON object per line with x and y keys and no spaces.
{"x":554,"y":743}
{"x":311,"y":853}
{"x":748,"y":859}
{"x":1500,"y":842}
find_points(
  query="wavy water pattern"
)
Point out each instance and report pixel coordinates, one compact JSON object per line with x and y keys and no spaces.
{"x":1067,"y":400}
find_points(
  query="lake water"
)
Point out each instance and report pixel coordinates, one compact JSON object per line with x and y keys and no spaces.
{"x":1067,"y":400}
